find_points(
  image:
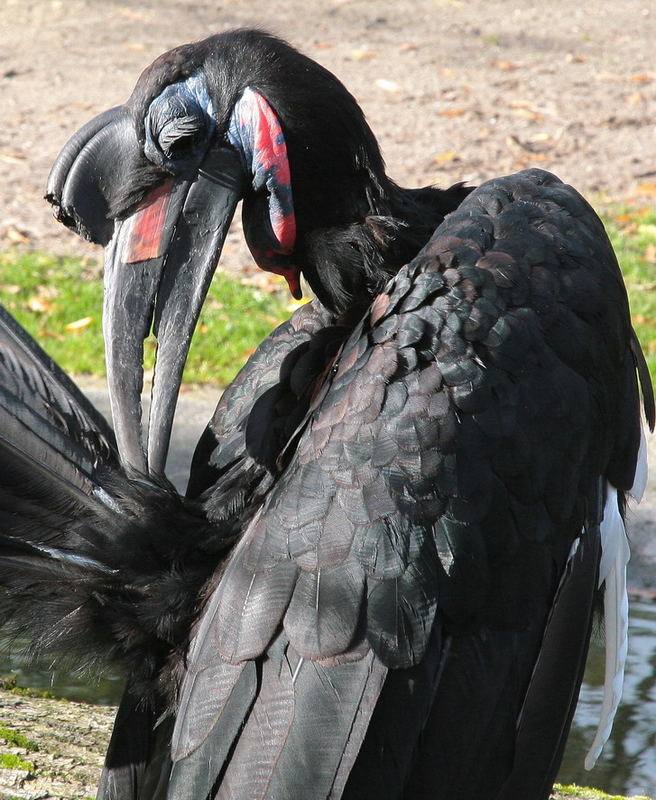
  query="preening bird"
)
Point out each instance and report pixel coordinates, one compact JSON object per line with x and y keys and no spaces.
{"x":381,"y":581}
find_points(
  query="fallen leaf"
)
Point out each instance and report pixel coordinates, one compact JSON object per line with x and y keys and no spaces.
{"x":444,"y":158}
{"x":39,"y":304}
{"x":636,"y":99}
{"x":388,"y":86}
{"x":650,"y":253}
{"x":78,"y":325}
{"x":363,"y":55}
{"x":12,"y":158}
{"x":46,"y":334}
{"x":526,"y":113}
{"x":451,"y":112}
{"x":647,"y":189}
{"x":16,"y":236}
{"x":408,"y":47}
{"x":572,"y":59}
{"x":643,"y":77}
{"x":507,"y":66}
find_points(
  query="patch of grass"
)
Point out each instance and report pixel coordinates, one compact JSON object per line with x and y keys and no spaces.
{"x":59,"y":302}
{"x":10,"y":684}
{"x":632,"y":232}
{"x":12,"y":761}
{"x":588,"y":794}
{"x":13,"y":737}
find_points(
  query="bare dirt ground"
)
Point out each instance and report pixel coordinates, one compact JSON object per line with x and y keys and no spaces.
{"x":455,"y":89}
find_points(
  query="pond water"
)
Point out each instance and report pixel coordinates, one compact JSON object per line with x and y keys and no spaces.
{"x":627,"y":765}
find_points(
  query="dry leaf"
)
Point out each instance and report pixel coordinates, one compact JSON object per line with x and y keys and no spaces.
{"x":451,"y":112}
{"x":527,"y":113}
{"x":650,"y":253}
{"x":572,"y":59}
{"x":507,"y":66}
{"x":647,"y":189}
{"x":645,"y":77}
{"x":443,"y":158}
{"x":44,"y":333}
{"x":39,"y":304}
{"x":363,"y":55}
{"x":78,"y":325}
{"x":12,"y":158}
{"x":15,"y":236}
{"x":388,"y":86}
{"x":408,"y":47}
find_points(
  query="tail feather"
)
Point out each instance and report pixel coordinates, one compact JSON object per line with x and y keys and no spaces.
{"x":542,"y":728}
{"x":96,"y":565}
{"x":274,"y":719}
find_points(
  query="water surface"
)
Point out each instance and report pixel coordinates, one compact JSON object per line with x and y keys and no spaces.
{"x":627,"y":764}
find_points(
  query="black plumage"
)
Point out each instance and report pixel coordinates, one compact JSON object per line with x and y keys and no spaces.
{"x":381,"y":581}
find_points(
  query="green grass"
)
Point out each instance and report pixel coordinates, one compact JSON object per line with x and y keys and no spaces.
{"x":13,"y":737}
{"x":633,"y":235}
{"x":12,"y":761}
{"x":59,"y":301}
{"x":47,"y":294}
{"x":588,"y":794}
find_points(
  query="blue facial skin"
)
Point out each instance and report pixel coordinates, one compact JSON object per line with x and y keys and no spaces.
{"x":269,"y":175}
{"x":179,"y":125}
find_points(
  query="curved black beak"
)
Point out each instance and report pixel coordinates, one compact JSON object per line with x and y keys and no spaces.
{"x":159,"y":262}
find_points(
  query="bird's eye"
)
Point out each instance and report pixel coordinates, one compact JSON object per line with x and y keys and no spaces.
{"x":180,"y":137}
{"x":178,"y":126}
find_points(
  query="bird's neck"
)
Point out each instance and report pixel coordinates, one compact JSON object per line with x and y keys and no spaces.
{"x":348,"y":263}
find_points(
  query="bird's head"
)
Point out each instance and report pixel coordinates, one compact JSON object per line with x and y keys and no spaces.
{"x":240,"y":115}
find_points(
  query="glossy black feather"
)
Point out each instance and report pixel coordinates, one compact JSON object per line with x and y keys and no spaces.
{"x":368,"y":591}
{"x":481,"y":457}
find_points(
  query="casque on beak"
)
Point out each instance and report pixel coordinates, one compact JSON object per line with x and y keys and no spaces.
{"x":161,"y":201}
{"x":159,"y":262}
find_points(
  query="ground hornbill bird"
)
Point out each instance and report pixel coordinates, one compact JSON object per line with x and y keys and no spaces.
{"x":381,"y":581}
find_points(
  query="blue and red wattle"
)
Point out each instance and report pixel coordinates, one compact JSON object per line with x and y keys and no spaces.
{"x":255,"y":132}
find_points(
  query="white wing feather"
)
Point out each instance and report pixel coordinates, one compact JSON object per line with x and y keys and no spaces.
{"x":612,"y":573}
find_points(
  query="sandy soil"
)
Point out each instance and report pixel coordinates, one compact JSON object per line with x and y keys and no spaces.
{"x":454,"y":89}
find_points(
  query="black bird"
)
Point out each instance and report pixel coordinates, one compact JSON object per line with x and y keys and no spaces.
{"x":381,"y":582}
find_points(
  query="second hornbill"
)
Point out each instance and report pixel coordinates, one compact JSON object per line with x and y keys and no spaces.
{"x":381,"y":582}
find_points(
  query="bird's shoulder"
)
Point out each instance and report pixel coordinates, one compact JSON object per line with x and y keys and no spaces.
{"x":453,"y":444}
